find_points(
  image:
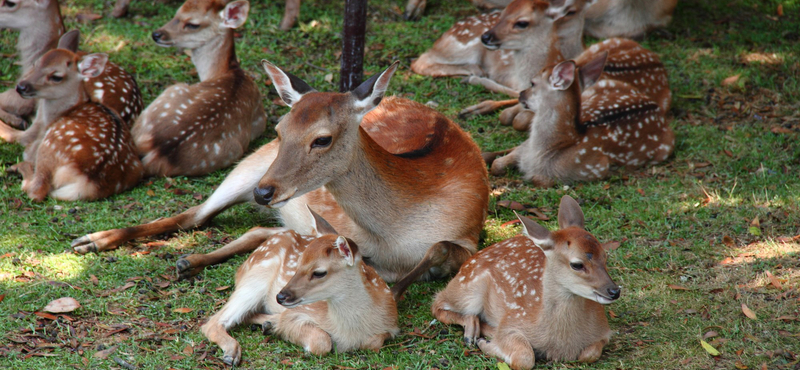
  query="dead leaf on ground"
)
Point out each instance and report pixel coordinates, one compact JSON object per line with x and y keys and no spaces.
{"x":774,"y":281}
{"x":182,"y":310}
{"x":104,"y":353}
{"x":748,"y":312}
{"x":728,"y":241}
{"x":731,"y":80}
{"x":64,"y":304}
{"x":740,"y":365}
{"x":610,"y":246}
{"x":710,"y":334}
{"x":94,"y":279}
{"x":188,"y":350}
{"x":710,"y":349}
{"x":2,"y":297}
{"x":87,"y":17}
{"x":221,"y":288}
{"x":510,"y":204}
{"x":45,"y":315}
{"x":786,"y":318}
{"x":509,"y":223}
{"x":538,"y":214}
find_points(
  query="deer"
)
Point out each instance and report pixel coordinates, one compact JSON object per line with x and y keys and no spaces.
{"x":41,"y":27}
{"x":409,"y":154}
{"x":628,"y":18}
{"x":86,"y":151}
{"x":290,"y":15}
{"x":578,"y":135}
{"x":537,"y":294}
{"x":547,"y":33}
{"x":312,"y":290}
{"x":193,"y":130}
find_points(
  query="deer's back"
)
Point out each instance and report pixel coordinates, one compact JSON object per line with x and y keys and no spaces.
{"x":116,"y":89}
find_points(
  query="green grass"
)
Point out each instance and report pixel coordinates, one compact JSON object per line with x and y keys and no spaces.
{"x":688,"y":222}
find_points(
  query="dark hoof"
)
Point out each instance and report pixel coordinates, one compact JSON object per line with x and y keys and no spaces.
{"x":267,"y":327}
{"x":183,"y":265}
{"x":228,"y":360}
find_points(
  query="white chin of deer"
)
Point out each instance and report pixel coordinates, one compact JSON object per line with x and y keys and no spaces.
{"x":285,"y":199}
{"x":599,"y":298}
{"x":299,"y":302}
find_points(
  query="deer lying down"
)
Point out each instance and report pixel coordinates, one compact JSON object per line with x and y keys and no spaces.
{"x":578,"y":138}
{"x":193,"y":130}
{"x":86,"y":152}
{"x":41,"y":29}
{"x":314,"y":291}
{"x":541,"y":293}
{"x":628,"y":18}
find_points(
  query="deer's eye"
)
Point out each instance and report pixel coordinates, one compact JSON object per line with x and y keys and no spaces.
{"x":577,"y":266}
{"x":191,"y":26}
{"x":9,"y":4}
{"x":521,"y":25}
{"x":55,"y":78}
{"x":319,"y":274}
{"x":321,"y":142}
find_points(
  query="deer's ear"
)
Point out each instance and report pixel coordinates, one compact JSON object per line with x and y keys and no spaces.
{"x":537,"y":233}
{"x":344,"y":250}
{"x":70,"y":41}
{"x":563,"y":75}
{"x":569,"y":213}
{"x":235,"y":14}
{"x":92,"y":65}
{"x":320,"y":225}
{"x":591,"y":71}
{"x":369,"y":94}
{"x":558,"y":9}
{"x":290,"y":87}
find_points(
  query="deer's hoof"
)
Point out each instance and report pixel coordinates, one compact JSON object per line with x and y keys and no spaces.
{"x":83,"y":245}
{"x":267,"y":327}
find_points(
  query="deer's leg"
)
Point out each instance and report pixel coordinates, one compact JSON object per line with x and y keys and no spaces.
{"x":593,"y":351}
{"x":487,"y":106}
{"x":297,"y":327}
{"x":192,"y":264}
{"x":36,"y":182}
{"x":489,"y":157}
{"x":414,"y":9}
{"x":445,"y":257}
{"x":243,"y":306}
{"x":522,"y":121}
{"x":500,"y":164}
{"x":290,"y":14}
{"x":7,"y":132}
{"x":491,"y":85}
{"x":511,"y":347}
{"x":13,"y":107}
{"x":376,"y":343}
{"x":120,"y":8}
{"x":470,"y":323}
{"x":430,"y":64}
{"x":237,"y":188}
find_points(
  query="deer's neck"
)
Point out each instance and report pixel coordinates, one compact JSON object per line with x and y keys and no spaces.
{"x":51,"y":110}
{"x":533,"y":60}
{"x":215,"y":57}
{"x":570,"y":37}
{"x":349,"y":311}
{"x":40,"y":36}
{"x":558,"y":119}
{"x":562,"y":310}
{"x":370,"y":187}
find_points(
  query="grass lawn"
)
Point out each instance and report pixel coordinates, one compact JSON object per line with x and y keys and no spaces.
{"x":712,"y":230}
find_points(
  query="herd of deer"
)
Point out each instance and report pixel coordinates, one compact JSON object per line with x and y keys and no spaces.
{"x":321,"y":280}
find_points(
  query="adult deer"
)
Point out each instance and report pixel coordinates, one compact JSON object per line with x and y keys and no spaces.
{"x":542,"y":292}
{"x":628,"y":18}
{"x":86,"y":151}
{"x":578,"y":137}
{"x":40,"y":28}
{"x":193,"y":130}
{"x":425,"y":172}
{"x":314,"y":291}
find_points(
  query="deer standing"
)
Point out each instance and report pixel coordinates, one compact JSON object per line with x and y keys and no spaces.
{"x":193,"y":130}
{"x":540,"y":292}
{"x":426,"y":174}
{"x":40,"y":26}
{"x":86,"y":151}
{"x":314,"y":291}
{"x":578,"y":137}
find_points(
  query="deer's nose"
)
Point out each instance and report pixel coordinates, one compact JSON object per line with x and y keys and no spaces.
{"x":157,"y":35}
{"x":264,"y":195}
{"x":613,"y":293}
{"x":283,"y":297}
{"x":487,"y":38}
{"x":24,"y":88}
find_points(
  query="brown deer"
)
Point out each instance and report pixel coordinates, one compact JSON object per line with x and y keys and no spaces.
{"x":193,"y":130}
{"x":542,"y":292}
{"x":86,"y":152}
{"x":426,"y":173}
{"x":627,"y":18}
{"x":40,"y":26}
{"x":314,"y":291}
{"x":578,"y":137}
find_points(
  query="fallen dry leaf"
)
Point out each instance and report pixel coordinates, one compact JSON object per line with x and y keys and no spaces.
{"x":538,"y":214}
{"x":2,"y":297}
{"x":780,"y":10}
{"x":727,"y":240}
{"x":740,"y":365}
{"x":730,"y":80}
{"x":221,"y":288}
{"x":182,"y":310}
{"x":104,"y":353}
{"x":510,"y":204}
{"x":710,"y":334}
{"x":786,"y":318}
{"x":775,"y":282}
{"x":188,"y":350}
{"x":45,"y":315}
{"x":88,"y":17}
{"x":94,"y":279}
{"x":610,"y":246}
{"x":509,"y":223}
{"x":748,"y":312}
{"x":64,"y":304}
